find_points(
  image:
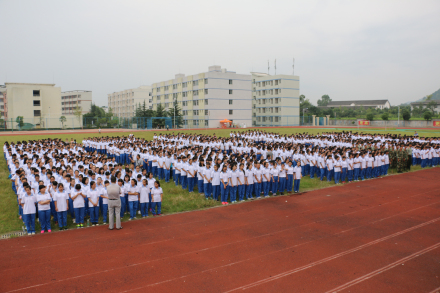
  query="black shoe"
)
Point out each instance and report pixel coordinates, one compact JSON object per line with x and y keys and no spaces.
{"x":110,"y":228}
{"x":65,"y":228}
{"x":282,"y":193}
{"x":61,"y":229}
{"x":119,"y":228}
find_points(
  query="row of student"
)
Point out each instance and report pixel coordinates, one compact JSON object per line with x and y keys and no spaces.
{"x":58,"y":200}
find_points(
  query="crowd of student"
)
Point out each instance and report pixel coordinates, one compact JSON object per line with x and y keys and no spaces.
{"x":54,"y":179}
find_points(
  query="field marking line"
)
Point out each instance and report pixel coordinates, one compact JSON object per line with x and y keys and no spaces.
{"x":327,"y":259}
{"x":384,"y":269}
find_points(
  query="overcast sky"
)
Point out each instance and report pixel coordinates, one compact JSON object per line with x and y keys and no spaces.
{"x":346,"y":49}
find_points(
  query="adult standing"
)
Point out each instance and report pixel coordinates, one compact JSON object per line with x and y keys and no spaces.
{"x":114,"y":204}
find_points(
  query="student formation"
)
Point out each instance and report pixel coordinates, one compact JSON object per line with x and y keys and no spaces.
{"x":55,"y":179}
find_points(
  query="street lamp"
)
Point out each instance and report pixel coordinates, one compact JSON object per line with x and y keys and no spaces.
{"x":304,"y":109}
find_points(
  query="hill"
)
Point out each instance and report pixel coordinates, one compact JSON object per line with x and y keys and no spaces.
{"x":435,"y":96}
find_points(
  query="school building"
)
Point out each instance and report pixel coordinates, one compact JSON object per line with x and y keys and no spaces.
{"x":207,"y":98}
{"x":124,"y":103}
{"x":275,"y":100}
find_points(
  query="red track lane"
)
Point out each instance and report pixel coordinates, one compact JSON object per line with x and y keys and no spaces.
{"x":310,"y":242}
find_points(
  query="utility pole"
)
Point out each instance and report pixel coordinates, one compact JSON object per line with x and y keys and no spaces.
{"x":398,"y":116}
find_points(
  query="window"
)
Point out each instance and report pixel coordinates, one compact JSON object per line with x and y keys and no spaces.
{"x":231,"y":112}
{"x":167,"y":105}
{"x":37,"y":103}
{"x":264,"y":102}
{"x":174,"y":86}
{"x":195,"y":93}
{"x":37,"y":113}
{"x":264,"y":119}
{"x":230,"y":102}
{"x":276,"y":110}
{"x":206,"y":91}
{"x":277,"y":119}
{"x":150,"y":101}
{"x":195,"y":112}
{"x":185,"y":103}
{"x":206,"y":112}
{"x":196,"y":122}
{"x":264,"y":110}
{"x":195,"y":102}
{"x":158,"y":90}
{"x":36,"y":93}
{"x":206,"y":101}
{"x":206,"y":81}
{"x":195,"y":82}
{"x":166,"y":96}
{"x":184,"y":94}
{"x":183,"y":84}
{"x":206,"y":122}
{"x":279,"y":91}
{"x":230,"y":92}
{"x":230,"y":81}
{"x":276,"y":82}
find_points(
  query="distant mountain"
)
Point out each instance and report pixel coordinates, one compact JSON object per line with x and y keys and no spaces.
{"x":435,"y":96}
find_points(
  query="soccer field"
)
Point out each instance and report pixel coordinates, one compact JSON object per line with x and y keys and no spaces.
{"x":175,"y":199}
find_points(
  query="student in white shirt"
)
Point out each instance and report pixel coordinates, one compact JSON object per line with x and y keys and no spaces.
{"x":338,"y":169}
{"x":289,"y":172}
{"x":249,"y":181}
{"x":77,"y":197}
{"x":207,"y":180}
{"x":27,"y":202}
{"x":344,"y":166}
{"x":93,"y":195}
{"x":190,"y":174}
{"x":274,"y":177}
{"x":258,"y":179}
{"x":61,"y":199}
{"x":297,"y":177}
{"x":104,"y":197}
{"x":156,"y":198}
{"x":144,"y":198}
{"x":200,"y":184}
{"x":224,"y":184}
{"x":133,"y":198}
{"x":241,"y":183}
{"x":215,"y":183}
{"x":44,"y":199}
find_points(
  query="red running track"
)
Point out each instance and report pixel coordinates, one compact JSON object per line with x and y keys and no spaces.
{"x":379,"y":235}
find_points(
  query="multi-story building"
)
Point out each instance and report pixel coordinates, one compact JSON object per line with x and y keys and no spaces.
{"x":124,"y":103}
{"x":3,"y":103}
{"x":207,"y":98}
{"x":39,"y":104}
{"x":275,"y":100}
{"x":71,"y":99}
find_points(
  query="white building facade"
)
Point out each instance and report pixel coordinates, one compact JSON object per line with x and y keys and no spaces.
{"x":275,"y":100}
{"x":124,"y":103}
{"x":207,"y":98}
{"x":72,"y":99}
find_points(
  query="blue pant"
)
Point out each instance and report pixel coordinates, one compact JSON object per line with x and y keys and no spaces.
{"x":257,"y":189}
{"x":29,"y":221}
{"x":207,"y":188}
{"x":123,"y":206}
{"x":94,"y":214}
{"x":249,"y":189}
{"x":177,"y":179}
{"x":104,"y":212}
{"x":241,"y":190}
{"x":144,"y":209}
{"x":155,"y":171}
{"x":224,"y":192}
{"x":62,"y":219}
{"x":71,"y":210}
{"x":350,"y":175}
{"x":356,"y":173}
{"x":329,"y":174}
{"x":265,"y":187}
{"x":79,"y":215}
{"x":337,"y":176}
{"x":200,"y":186}
{"x":233,"y":193}
{"x":370,"y":172}
{"x":215,"y":191}
{"x":362,"y":174}
{"x":275,"y":185}
{"x":183,"y":179}
{"x":282,"y":184}
{"x":190,"y":184}
{"x":44,"y":217}
{"x":167,"y":175}
{"x":157,"y":205}
{"x":296,"y":185}
{"x":322,"y":170}
{"x":133,"y":205}
{"x":343,"y":174}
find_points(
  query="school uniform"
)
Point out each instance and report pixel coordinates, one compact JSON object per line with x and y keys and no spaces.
{"x":266,"y":181}
{"x":190,"y":177}
{"x":241,"y":186}
{"x":282,"y":176}
{"x":258,"y":176}
{"x":61,"y":198}
{"x":349,"y":169}
{"x":215,"y":184}
{"x":157,"y":203}
{"x":357,"y":166}
{"x":224,"y":187}
{"x":207,"y":175}
{"x":337,"y":169}
{"x":297,"y":180}
{"x":344,"y":166}
{"x":233,"y":179}
{"x":29,"y":211}
{"x":133,"y":201}
{"x":78,"y":205}
{"x":93,"y":198}
{"x":44,"y":211}
{"x":144,"y":191}
{"x":200,"y":184}
{"x":250,"y":183}
{"x":104,"y":205}
{"x":274,"y":173}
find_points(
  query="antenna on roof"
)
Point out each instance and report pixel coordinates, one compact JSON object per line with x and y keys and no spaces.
{"x":293,"y":67}
{"x":268,"y":67}
{"x":275,"y":66}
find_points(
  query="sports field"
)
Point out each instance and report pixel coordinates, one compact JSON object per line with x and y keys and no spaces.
{"x":175,"y":199}
{"x":359,"y":237}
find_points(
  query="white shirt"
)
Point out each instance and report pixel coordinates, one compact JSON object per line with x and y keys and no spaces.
{"x":61,"y":199}
{"x":43,"y":197}
{"x":155,"y":194}
{"x":144,"y":191}
{"x":94,"y":196}
{"x":78,"y":202}
{"x":28,"y":202}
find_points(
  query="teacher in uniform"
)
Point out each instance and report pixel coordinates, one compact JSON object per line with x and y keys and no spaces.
{"x":114,"y":204}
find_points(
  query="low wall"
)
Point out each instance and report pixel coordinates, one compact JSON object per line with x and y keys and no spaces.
{"x":384,"y":123}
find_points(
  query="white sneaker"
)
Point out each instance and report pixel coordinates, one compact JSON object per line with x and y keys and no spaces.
{"x":139,"y":212}
{"x":74,"y":221}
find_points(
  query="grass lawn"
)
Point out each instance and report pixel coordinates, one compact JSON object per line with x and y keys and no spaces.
{"x":175,"y":199}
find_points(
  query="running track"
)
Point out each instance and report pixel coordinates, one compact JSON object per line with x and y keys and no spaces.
{"x":380,"y":235}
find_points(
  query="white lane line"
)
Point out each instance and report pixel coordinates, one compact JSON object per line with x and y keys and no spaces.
{"x":384,"y":269}
{"x":435,"y":290}
{"x":327,"y":259}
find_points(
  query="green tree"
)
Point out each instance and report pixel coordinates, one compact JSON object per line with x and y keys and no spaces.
{"x":325,"y":99}
{"x":432,"y":105}
{"x":62,"y":120}
{"x":406,"y":115}
{"x":176,"y":114}
{"x":92,"y":117}
{"x":384,"y":116}
{"x":160,"y":112}
{"x":302,"y":98}
{"x":370,"y":116}
{"x":77,"y":112}
{"x":427,"y":115}
{"x":19,"y":121}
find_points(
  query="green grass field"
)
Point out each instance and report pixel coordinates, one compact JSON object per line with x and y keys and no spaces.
{"x":175,"y":199}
